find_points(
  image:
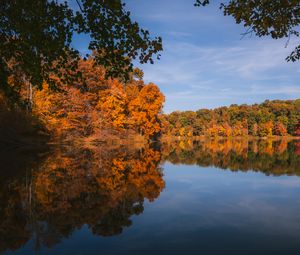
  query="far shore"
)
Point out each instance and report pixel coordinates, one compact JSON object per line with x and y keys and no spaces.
{"x":166,"y":138}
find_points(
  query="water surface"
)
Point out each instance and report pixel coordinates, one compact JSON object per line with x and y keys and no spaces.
{"x":214,"y":197}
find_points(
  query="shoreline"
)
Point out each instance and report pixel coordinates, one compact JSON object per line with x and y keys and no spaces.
{"x":207,"y":138}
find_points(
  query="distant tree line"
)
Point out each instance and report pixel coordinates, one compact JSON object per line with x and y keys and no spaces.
{"x":271,"y":118}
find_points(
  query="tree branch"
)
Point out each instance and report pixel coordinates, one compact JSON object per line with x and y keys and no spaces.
{"x":80,"y":7}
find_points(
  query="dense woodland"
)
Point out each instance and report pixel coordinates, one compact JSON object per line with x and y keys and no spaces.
{"x":271,"y":118}
{"x":96,"y":108}
{"x":91,"y":107}
{"x":48,"y":90}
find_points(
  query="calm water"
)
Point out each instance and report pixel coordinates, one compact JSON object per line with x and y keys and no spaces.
{"x":217,"y":197}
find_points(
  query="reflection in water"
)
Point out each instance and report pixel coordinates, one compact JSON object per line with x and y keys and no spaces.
{"x":270,"y":157}
{"x":103,"y":187}
{"x":100,"y":188}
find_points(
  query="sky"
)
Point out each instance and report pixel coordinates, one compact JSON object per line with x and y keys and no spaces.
{"x":206,"y":63}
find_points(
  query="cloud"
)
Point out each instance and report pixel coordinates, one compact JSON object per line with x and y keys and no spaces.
{"x":205,"y":63}
{"x":169,"y":11}
{"x":179,"y":34}
{"x":246,"y":69}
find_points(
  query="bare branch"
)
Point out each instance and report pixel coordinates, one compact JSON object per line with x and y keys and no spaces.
{"x":79,"y":4}
{"x":249,"y":31}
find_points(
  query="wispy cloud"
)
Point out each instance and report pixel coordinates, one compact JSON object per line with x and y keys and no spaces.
{"x":206,"y":64}
{"x":179,"y":34}
{"x":247,"y":69}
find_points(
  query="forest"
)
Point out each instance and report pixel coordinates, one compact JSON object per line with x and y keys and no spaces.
{"x":50,"y":91}
{"x":271,"y":118}
{"x":95,"y":108}
{"x":92,"y":107}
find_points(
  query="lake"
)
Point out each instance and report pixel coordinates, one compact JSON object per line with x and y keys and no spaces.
{"x":184,"y":197}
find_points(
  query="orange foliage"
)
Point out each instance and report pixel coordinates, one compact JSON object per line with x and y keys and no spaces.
{"x":93,"y":104}
{"x":112,"y":104}
{"x":297,"y":150}
{"x":144,"y":110}
{"x":279,"y":129}
{"x":297,"y":130}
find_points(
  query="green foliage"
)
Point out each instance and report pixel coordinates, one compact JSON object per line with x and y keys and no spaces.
{"x":36,"y":39}
{"x":276,"y":18}
{"x":33,"y":36}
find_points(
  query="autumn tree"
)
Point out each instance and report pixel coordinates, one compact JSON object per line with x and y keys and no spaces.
{"x":277,"y":117}
{"x":97,"y":107}
{"x":297,"y":149}
{"x":144,"y":110}
{"x":112,"y":105}
{"x":266,"y":129}
{"x":279,"y":129}
{"x":297,"y":129}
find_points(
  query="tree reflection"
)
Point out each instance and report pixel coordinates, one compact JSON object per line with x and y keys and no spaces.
{"x":100,"y":188}
{"x":272,"y":157}
{"x":103,"y":187}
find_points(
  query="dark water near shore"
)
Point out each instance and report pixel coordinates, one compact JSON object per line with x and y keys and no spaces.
{"x":214,"y":197}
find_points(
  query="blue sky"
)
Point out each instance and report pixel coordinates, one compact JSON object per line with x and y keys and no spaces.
{"x":205,"y":64}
